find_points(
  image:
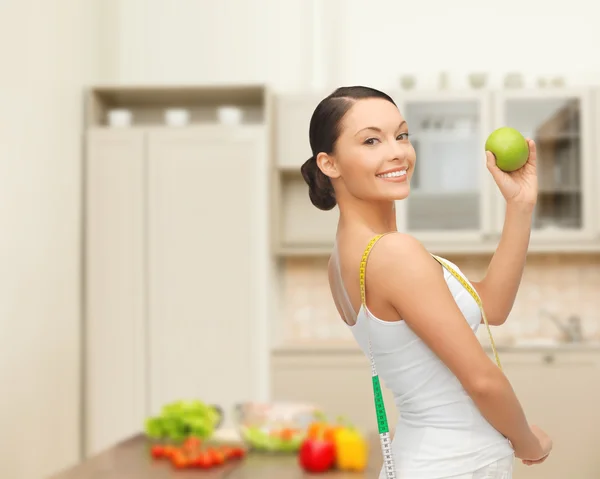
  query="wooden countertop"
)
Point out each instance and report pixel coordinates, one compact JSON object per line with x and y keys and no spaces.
{"x":130,"y":459}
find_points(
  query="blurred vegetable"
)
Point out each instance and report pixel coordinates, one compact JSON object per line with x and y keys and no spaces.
{"x":317,"y":454}
{"x":322,"y":428}
{"x":351,"y":449}
{"x":195,"y":454}
{"x":181,"y":419}
{"x":284,"y":440}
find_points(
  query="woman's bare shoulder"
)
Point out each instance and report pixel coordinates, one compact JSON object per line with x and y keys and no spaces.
{"x":396,"y":249}
{"x":397,"y":259}
{"x":412,"y":281}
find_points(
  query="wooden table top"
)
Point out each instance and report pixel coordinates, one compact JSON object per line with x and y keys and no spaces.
{"x":131,"y":459}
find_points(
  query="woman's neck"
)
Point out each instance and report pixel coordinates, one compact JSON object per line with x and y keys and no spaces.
{"x":379,"y":217}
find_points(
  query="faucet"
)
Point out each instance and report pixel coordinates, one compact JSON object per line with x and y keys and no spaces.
{"x":572,"y":329}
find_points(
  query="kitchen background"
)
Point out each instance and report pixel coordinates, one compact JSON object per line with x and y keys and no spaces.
{"x":135,"y":273}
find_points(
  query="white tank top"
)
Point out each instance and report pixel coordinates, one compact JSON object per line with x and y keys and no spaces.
{"x":440,"y":431}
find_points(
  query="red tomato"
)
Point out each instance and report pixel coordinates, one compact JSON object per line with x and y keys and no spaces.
{"x":169,"y":451}
{"x":158,"y":452}
{"x":202,"y":461}
{"x":180,"y":460}
{"x":192,"y":444}
{"x":238,"y":452}
{"x":216,"y":456}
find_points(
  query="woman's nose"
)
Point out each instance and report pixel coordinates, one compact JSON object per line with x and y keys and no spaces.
{"x":398,"y":151}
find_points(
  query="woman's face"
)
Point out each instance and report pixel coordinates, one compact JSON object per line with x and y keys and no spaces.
{"x":373,"y":158}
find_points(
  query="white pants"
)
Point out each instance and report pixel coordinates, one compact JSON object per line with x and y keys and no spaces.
{"x":501,"y":469}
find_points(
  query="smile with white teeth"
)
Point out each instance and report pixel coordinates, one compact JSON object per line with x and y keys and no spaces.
{"x":393,"y":174}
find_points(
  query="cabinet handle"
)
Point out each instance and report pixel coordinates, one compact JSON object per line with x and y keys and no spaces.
{"x":549,"y":358}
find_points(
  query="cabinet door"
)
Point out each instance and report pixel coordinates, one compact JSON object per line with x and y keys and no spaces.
{"x":114,"y":280}
{"x":560,"y":123}
{"x":206,"y":257}
{"x":292,"y":121}
{"x":301,"y":224}
{"x":450,"y":189}
{"x":560,"y":392}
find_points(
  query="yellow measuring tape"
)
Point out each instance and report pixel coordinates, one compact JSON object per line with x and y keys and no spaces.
{"x":451,"y":270}
{"x":477,"y":299}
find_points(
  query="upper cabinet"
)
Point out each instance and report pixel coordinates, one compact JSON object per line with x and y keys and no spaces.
{"x":298,"y":226}
{"x":450,"y":190}
{"x":560,"y":122}
{"x":454,"y":205}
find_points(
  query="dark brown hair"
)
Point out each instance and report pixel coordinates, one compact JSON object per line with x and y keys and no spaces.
{"x":324,"y":130}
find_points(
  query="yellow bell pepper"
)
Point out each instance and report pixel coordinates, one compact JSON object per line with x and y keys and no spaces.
{"x":351,"y":450}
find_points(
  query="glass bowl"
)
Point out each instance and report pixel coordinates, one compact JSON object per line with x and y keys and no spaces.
{"x":274,"y":427}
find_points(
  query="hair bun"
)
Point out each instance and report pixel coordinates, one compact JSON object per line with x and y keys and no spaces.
{"x":320,"y":189}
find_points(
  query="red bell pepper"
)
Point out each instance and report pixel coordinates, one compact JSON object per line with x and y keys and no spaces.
{"x":316,"y":454}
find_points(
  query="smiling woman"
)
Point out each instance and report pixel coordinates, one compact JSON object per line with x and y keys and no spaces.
{"x":460,"y":416}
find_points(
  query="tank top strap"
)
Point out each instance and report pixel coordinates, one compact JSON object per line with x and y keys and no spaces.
{"x":363,"y":266}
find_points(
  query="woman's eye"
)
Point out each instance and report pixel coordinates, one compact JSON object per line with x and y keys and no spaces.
{"x":370,"y":141}
{"x":403,"y":136}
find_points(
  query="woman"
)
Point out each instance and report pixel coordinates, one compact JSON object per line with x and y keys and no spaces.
{"x":459,"y":416}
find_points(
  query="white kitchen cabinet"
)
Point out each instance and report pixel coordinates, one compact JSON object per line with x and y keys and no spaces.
{"x":302,"y":225}
{"x":298,"y":225}
{"x":206,"y":247}
{"x":561,"y":123}
{"x":308,"y":375}
{"x":115,"y":299}
{"x":560,"y":392}
{"x":176,"y":268}
{"x":176,"y":255}
{"x":450,"y":188}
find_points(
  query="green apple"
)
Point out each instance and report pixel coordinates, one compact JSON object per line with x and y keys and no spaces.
{"x":509,"y":147}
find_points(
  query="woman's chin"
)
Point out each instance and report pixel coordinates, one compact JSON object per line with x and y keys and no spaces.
{"x":401,"y":193}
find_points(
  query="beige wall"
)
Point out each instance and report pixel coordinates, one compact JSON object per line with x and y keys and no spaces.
{"x":47,"y":52}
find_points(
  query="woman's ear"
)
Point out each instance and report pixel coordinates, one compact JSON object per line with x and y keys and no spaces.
{"x":327,"y":165}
